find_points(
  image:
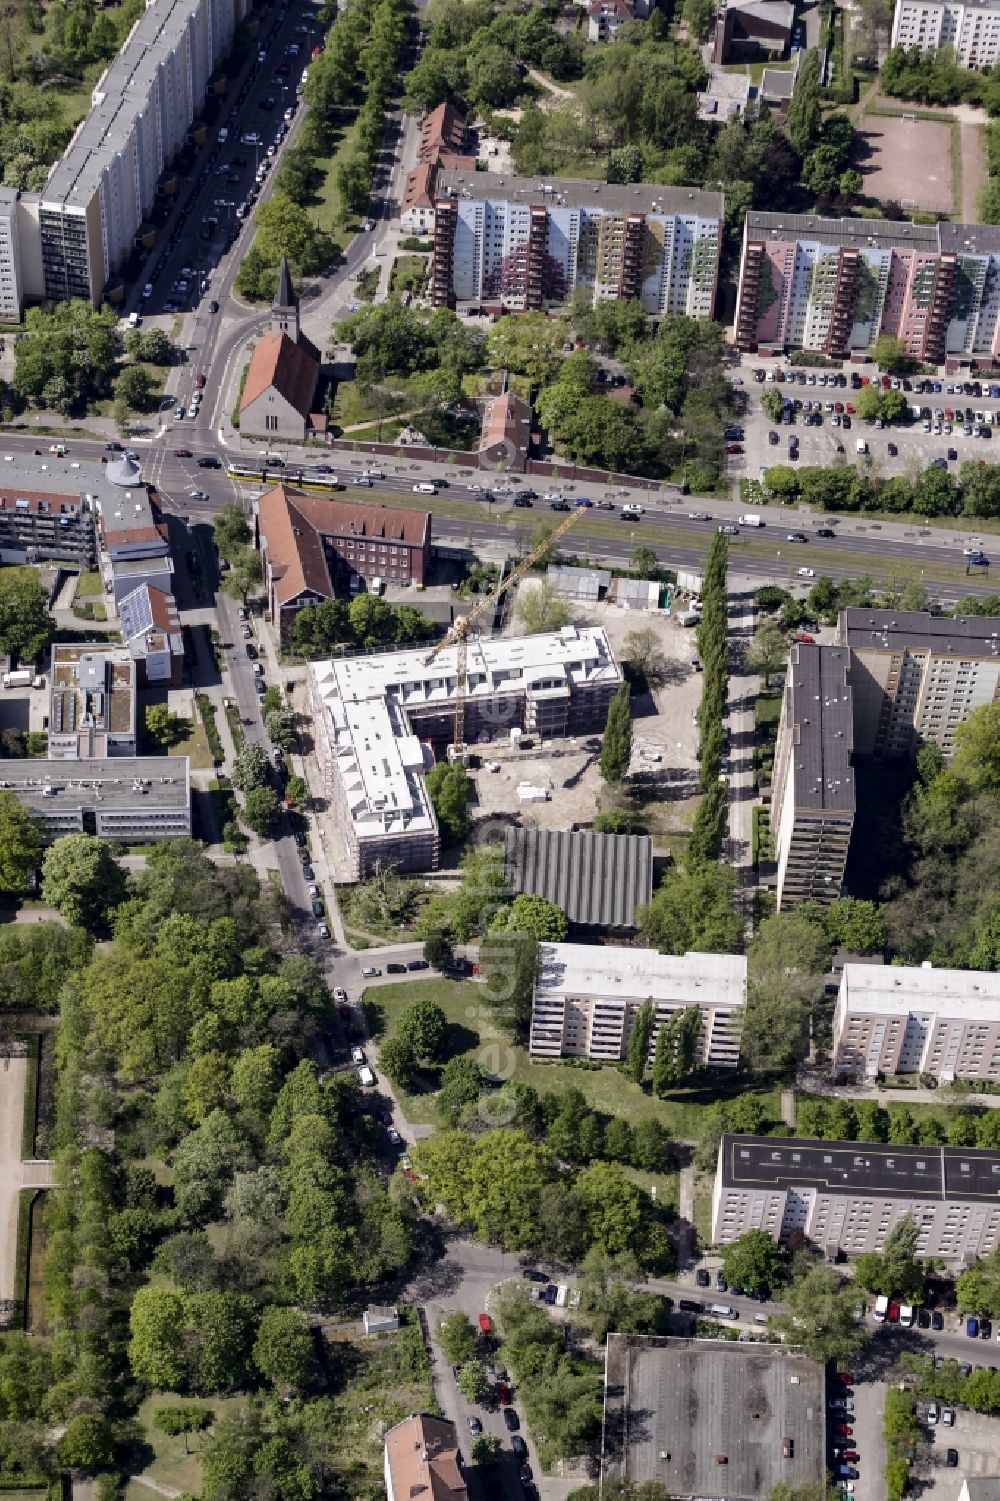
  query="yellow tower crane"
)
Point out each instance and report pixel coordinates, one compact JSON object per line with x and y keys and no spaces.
{"x":458,"y":636}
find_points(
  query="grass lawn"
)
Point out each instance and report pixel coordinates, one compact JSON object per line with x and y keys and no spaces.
{"x":667,"y":1185}
{"x":409,"y":273}
{"x":703,"y":1211}
{"x":767,"y":710}
{"x":195,"y":745}
{"x":88,"y":585}
{"x":472,"y":1030}
{"x":176,"y":1461}
{"x":325,"y":201}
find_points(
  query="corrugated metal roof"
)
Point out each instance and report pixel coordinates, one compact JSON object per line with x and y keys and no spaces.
{"x":579,"y":583}
{"x":597,"y":879}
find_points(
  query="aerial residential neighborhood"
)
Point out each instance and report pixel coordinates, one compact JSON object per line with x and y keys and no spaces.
{"x":499,"y":774}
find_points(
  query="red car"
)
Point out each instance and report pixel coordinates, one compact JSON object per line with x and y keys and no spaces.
{"x":734,"y":447}
{"x":485,"y":1324}
{"x":503,"y":1394}
{"x":844,"y":1429}
{"x":851,"y":1456}
{"x":805,"y":638}
{"x":847,"y":1377}
{"x":892,"y":1313}
{"x":182,"y":453}
{"x":199,"y":380}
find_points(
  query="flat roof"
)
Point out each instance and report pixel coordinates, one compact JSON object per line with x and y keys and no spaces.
{"x":864,"y":234}
{"x":571,"y":192}
{"x":963,"y":994}
{"x":114,"y":782}
{"x":708,"y":1418}
{"x":580,"y":969}
{"x":53,"y":479}
{"x":821,"y":720}
{"x":92,"y":687}
{"x":918,"y":630}
{"x":860,"y":1167}
{"x":597,"y":879}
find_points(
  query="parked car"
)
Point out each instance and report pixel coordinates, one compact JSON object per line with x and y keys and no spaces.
{"x":511,"y":1419}
{"x":972,"y":1328}
{"x":395,"y":969}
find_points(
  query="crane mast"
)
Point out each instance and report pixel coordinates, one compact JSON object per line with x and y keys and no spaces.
{"x":458,"y":636}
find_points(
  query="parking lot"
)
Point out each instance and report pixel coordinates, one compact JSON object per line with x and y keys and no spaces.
{"x":975,"y":1437}
{"x":830,"y":445}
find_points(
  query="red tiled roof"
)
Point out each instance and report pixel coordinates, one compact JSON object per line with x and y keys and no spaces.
{"x":422,"y":1457}
{"x":419,"y":189}
{"x":346,"y":518}
{"x":506,"y":416}
{"x":442,"y":130}
{"x":292,"y":369}
{"x":294,"y":550}
{"x":162,"y":609}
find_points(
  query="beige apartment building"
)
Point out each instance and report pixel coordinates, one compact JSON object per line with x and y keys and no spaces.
{"x":586,"y":999}
{"x":943,"y":1022}
{"x":915,"y":676}
{"x":848,"y":1196}
{"x":813,"y":797}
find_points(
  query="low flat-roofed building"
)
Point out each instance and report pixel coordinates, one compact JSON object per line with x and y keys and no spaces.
{"x":586,"y":999}
{"x":132,"y":799}
{"x":423,"y":1461}
{"x":712,"y":1418}
{"x":813,"y":797}
{"x":589,"y":585}
{"x":375,"y":717}
{"x":92,"y":702}
{"x":597,"y":879}
{"x":891,"y":1019}
{"x":848,"y":1195}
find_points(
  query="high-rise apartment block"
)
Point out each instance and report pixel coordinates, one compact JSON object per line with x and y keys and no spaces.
{"x":834,"y":285}
{"x":521,"y":242}
{"x":916,"y":676}
{"x":586,"y":999}
{"x":971,"y":27}
{"x":813,"y":797}
{"x":894,"y":1020}
{"x":68,"y":239}
{"x":847,"y":1196}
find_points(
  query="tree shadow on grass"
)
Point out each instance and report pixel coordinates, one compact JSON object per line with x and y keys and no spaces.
{"x":459,"y":1039}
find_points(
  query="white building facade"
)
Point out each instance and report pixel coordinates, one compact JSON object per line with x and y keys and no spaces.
{"x":894,"y":1020}
{"x":971,"y":27}
{"x":586,"y":999}
{"x":848,"y":1196}
{"x":523,"y":243}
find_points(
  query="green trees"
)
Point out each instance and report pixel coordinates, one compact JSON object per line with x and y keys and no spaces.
{"x":82,"y":879}
{"x":530,"y":344}
{"x":541,"y":920}
{"x":26,"y":627}
{"x":541,"y":609}
{"x":977,"y":748}
{"x":461,"y":1084}
{"x":450,"y":790}
{"x":676,"y":1049}
{"x":21,"y":843}
{"x":802,"y":123}
{"x":771,"y":403}
{"x":787,"y":958}
{"x":821,"y":1314}
{"x":261,"y":811}
{"x":978,"y":1287}
{"x":366,"y":620}
{"x":163,"y":726}
{"x":457,"y":1338}
{"x":423,"y":1024}
{"x":66,"y":356}
{"x":283,"y":1350}
{"x":896,"y":1272}
{"x":616,"y":747}
{"x":752,"y":1262}
{"x":638,"y":1041}
{"x":472,"y":1381}
{"x":767,"y":652}
{"x":87,"y":1442}
{"x":156,"y":1325}
{"x":692,"y":910}
{"x":231,"y":530}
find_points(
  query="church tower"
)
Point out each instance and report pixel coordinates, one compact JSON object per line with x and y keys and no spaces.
{"x":285,"y":308}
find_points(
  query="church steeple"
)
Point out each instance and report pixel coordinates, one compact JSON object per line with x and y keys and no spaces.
{"x":285,"y":308}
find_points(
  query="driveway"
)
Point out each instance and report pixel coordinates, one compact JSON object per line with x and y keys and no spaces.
{"x":13,"y":1081}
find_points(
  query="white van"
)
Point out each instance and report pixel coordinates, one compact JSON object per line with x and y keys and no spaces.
{"x":562,"y":1293}
{"x":752,"y":518}
{"x":366,"y":1076}
{"x":632,"y":509}
{"x":861,"y":446}
{"x":133,"y":320}
{"x":425,"y":489}
{"x":881,"y":1309}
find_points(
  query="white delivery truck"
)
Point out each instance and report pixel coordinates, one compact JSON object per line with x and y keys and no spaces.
{"x":881,"y":1309}
{"x":366,"y":1076}
{"x":751,"y":518}
{"x":425,"y":489}
{"x":861,"y":446}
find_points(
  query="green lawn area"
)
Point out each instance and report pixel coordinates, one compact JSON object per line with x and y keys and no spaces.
{"x":195,"y":745}
{"x":667,"y":1185}
{"x":409,"y":274}
{"x":472,"y":1030}
{"x":176,"y":1461}
{"x":325,"y":202}
{"x":767,"y":710}
{"x":89,"y":585}
{"x":703,"y":1211}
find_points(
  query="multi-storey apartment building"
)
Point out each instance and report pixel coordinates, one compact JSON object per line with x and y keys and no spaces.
{"x":521,"y":242}
{"x":848,"y":1196}
{"x":375,"y":717}
{"x":813,"y":796}
{"x":92,"y":702}
{"x":68,"y":239}
{"x":970,"y":27}
{"x":915,"y":676}
{"x":45,"y":514}
{"x":585,"y":1000}
{"x":893,"y":1020}
{"x":835,"y":285}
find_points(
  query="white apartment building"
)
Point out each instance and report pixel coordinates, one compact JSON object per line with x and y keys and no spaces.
{"x":376,"y":717}
{"x":586,"y":999}
{"x":521,"y":242}
{"x":848,"y":1196}
{"x":895,"y":1020}
{"x":915,"y":676}
{"x":971,"y":27}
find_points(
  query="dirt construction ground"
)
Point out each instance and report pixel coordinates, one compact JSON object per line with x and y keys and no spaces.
{"x":13,"y":1078}
{"x":664,"y":767}
{"x":908,"y":161}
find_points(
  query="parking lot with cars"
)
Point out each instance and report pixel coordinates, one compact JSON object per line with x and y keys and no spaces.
{"x":947,"y":422}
